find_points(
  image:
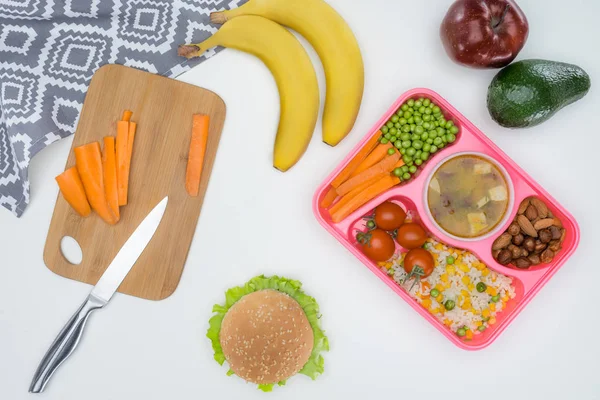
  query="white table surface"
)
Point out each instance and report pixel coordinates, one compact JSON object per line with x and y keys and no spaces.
{"x":256,"y":220}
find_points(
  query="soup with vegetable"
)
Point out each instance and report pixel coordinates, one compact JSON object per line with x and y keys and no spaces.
{"x":468,"y":196}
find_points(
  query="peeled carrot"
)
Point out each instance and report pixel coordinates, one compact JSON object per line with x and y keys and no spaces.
{"x":130,"y":140}
{"x":329,"y":198}
{"x":109,"y":167}
{"x":122,"y":152}
{"x":197,"y":152}
{"x":365,"y":196}
{"x":88,"y":160}
{"x":127,"y":115}
{"x":72,"y":190}
{"x":358,"y":158}
{"x":376,"y":155}
{"x":398,"y":164}
{"x":350,"y":195}
{"x":383,"y":166}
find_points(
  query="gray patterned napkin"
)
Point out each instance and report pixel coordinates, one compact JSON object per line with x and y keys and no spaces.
{"x":49,"y":50}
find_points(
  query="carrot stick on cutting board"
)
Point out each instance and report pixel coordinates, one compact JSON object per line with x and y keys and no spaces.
{"x":88,"y":160}
{"x":358,"y":158}
{"x":122,"y":152}
{"x":72,"y":190}
{"x":127,"y":115}
{"x":365,"y":196}
{"x":373,"y":158}
{"x":385,"y":165}
{"x":109,"y":168}
{"x":197,"y":151}
{"x":130,"y":141}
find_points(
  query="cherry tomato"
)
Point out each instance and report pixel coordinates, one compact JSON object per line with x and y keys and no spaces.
{"x":389,"y":216}
{"x":419,"y":258}
{"x":410,"y":236}
{"x":377,"y":244}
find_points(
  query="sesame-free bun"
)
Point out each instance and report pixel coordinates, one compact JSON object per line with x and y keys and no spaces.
{"x":266,"y":337}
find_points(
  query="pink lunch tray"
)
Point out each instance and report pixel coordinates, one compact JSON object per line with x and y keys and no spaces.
{"x":411,"y":196}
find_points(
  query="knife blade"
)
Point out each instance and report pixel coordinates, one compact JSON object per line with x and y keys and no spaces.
{"x":68,"y":338}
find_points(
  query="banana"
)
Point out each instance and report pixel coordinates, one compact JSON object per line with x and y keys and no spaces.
{"x":292,"y":69}
{"x":336,"y":45}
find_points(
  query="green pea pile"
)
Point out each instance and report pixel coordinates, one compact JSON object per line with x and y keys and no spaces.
{"x":418,"y":129}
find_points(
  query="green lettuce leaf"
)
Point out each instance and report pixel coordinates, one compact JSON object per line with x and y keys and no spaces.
{"x":315,"y":365}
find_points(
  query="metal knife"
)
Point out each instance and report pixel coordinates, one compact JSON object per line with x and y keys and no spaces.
{"x":68,"y":338}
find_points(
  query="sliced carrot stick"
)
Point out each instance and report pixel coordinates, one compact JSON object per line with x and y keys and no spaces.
{"x":196,"y":156}
{"x":398,"y":164}
{"x":376,"y":155}
{"x":109,"y":167}
{"x":358,"y":158}
{"x":122,"y":152}
{"x":88,"y":160}
{"x":383,"y":166}
{"x":130,"y":141}
{"x":350,"y":195}
{"x":127,"y":115}
{"x":365,"y":196}
{"x":329,"y":198}
{"x":72,"y":190}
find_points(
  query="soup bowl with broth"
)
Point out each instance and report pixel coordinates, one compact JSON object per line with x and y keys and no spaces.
{"x":469,"y":196}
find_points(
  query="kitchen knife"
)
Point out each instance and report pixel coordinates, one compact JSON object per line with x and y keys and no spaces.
{"x":68,"y":338}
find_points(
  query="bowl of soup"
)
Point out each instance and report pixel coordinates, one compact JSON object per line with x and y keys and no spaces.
{"x":469,"y":196}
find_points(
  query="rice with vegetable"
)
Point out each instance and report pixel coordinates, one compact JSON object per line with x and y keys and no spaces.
{"x":462,"y":292}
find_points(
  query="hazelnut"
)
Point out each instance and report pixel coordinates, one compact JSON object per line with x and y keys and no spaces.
{"x":547,"y":256}
{"x":545,"y":235}
{"x":556,"y":232}
{"x":555,"y":245}
{"x":504,"y":257}
{"x":539,"y":247}
{"x":514,"y":229}
{"x":522,"y":263}
{"x":518,"y":239}
{"x":515,"y":251}
{"x":529,"y":244}
{"x":534,"y":259}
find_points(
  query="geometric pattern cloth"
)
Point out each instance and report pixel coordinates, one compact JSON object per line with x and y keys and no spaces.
{"x":49,"y":50}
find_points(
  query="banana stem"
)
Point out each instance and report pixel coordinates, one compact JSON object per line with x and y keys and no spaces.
{"x":218,"y":17}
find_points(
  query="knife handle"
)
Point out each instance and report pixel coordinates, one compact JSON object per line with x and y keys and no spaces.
{"x":64,"y":344}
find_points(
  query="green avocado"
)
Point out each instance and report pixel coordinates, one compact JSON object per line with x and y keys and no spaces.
{"x":529,"y":92}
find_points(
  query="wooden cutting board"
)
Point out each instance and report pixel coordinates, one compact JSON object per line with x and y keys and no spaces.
{"x":163,"y":110}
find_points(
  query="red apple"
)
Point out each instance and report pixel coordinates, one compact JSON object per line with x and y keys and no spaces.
{"x":484,"y":33}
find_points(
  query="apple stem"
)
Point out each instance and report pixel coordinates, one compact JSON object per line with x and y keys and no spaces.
{"x":501,"y":19}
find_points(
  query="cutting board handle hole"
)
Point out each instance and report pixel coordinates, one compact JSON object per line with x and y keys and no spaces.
{"x":71,"y":250}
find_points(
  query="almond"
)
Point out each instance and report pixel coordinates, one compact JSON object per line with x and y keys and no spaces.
{"x":523,"y":206}
{"x":526,"y":226}
{"x":541,"y":207}
{"x":502,"y":241}
{"x":543,"y":224}
{"x":531,"y":212}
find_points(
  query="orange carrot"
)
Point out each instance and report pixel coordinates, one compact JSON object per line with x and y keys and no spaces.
{"x":398,"y":164}
{"x":383,"y":166}
{"x":365,"y":196}
{"x":127,"y":115}
{"x":72,"y":190}
{"x":358,"y":158}
{"x":376,"y":155}
{"x":89,"y":165}
{"x":130,"y":141}
{"x":350,"y":195}
{"x":196,"y":156}
{"x":109,"y":167}
{"x":329,"y":198}
{"x":122,"y":153}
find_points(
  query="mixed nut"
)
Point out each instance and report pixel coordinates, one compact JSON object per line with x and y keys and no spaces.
{"x":534,"y":237}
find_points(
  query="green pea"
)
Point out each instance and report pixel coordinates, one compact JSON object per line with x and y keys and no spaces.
{"x":406,"y":144}
{"x":485,"y":319}
{"x":397,"y":125}
{"x":384,"y":129}
{"x":461,"y":332}
{"x":418,"y":161}
{"x":406,"y":115}
{"x":390,"y":124}
{"x":436,"y":124}
{"x":481,"y":287}
{"x":410,"y":102}
{"x":402,"y":150}
{"x":419,"y":130}
{"x":404,"y":107}
{"x":399,"y":112}
{"x":449,"y":124}
{"x":426,"y":147}
{"x":418,"y":104}
{"x":426,"y":102}
{"x":422,"y":109}
{"x":417,"y":114}
{"x":410,"y":151}
{"x":425,"y":156}
{"x":428,"y":111}
{"x":450,"y":260}
{"x":434,"y":148}
{"x":442,"y":145}
{"x":406,"y":128}
{"x":413,"y":127}
{"x":481,"y":328}
{"x":393,"y":139}
{"x":395,"y":119}
{"x":417,"y":144}
{"x":405,"y":136}
{"x":434,"y":293}
{"x":433,"y":133}
{"x":442,"y":121}
{"x":449,"y":305}
{"x":437,"y":141}
{"x":371,"y":224}
{"x":444,"y":139}
{"x":454,"y":130}
{"x":383,"y":140}
{"x":405,"y":176}
{"x":450,"y":137}
{"x":496,"y":298}
{"x":410,"y":163}
{"x":391,"y":151}
{"x":418,"y":154}
{"x":398,"y":144}
{"x":404,"y":168}
{"x":412,"y":169}
{"x":427,"y":117}
{"x":424,"y":136}
{"x":429,"y":141}
{"x":393,"y":131}
{"x":410,"y":121}
{"x":402,"y":121}
{"x":388,"y":136}
{"x":441,"y":131}
{"x":436,"y":110}
{"x":398,"y":172}
{"x":426,"y":126}
{"x":406,"y":158}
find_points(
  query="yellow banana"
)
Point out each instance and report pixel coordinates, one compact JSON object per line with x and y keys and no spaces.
{"x":337,"y":47}
{"x":292,"y":69}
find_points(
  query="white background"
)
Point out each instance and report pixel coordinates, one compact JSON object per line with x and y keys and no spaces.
{"x":256,"y":220}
